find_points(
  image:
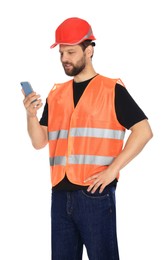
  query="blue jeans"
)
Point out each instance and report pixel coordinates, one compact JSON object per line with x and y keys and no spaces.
{"x":80,"y":218}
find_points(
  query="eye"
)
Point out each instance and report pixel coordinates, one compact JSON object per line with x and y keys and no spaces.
{"x":71,"y":52}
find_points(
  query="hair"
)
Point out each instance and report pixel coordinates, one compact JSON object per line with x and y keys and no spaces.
{"x":87,"y":43}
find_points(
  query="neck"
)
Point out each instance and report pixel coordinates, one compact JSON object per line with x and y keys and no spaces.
{"x":86,"y":74}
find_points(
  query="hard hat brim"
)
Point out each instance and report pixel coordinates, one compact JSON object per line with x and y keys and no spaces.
{"x":53,"y":45}
{"x":92,"y":38}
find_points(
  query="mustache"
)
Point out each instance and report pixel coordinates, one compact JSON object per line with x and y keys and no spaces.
{"x":67,"y":63}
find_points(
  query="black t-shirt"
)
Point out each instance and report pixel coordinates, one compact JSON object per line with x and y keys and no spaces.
{"x":127,"y":111}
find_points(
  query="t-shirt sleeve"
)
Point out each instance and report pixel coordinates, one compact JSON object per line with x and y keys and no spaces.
{"x":127,"y":110}
{"x":44,"y":118}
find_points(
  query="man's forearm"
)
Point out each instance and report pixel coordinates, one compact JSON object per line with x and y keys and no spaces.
{"x":141,"y":134}
{"x":37,"y":133}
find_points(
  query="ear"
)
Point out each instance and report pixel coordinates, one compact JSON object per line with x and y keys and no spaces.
{"x":89,"y":51}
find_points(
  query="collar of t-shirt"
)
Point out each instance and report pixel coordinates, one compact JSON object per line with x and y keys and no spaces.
{"x":78,"y":89}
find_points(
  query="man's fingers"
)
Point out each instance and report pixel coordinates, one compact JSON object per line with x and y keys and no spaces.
{"x":92,"y":185}
{"x":92,"y":178}
{"x":102,"y":188}
{"x":31,"y":99}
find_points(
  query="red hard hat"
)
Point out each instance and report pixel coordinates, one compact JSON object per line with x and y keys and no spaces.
{"x":73,"y":31}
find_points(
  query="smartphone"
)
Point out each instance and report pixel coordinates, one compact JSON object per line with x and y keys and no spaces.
{"x":26,"y":87}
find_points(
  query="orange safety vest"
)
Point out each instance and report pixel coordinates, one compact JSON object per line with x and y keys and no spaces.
{"x":83,"y":140}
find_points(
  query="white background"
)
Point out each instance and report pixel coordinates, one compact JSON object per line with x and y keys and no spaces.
{"x":131,"y":44}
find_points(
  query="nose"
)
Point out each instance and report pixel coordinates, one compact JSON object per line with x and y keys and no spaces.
{"x":64,"y":57}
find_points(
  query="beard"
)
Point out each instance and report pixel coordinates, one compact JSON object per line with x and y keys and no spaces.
{"x":73,"y":70}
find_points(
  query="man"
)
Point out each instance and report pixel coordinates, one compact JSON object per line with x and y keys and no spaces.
{"x":84,"y":121}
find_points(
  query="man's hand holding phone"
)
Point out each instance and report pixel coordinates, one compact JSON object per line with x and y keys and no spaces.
{"x":32,"y":101}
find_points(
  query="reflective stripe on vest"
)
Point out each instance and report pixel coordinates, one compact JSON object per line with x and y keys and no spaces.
{"x":58,"y":134}
{"x":58,"y":160}
{"x":90,"y":159}
{"x":82,"y":159}
{"x":87,"y":132}
{"x":98,"y":133}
